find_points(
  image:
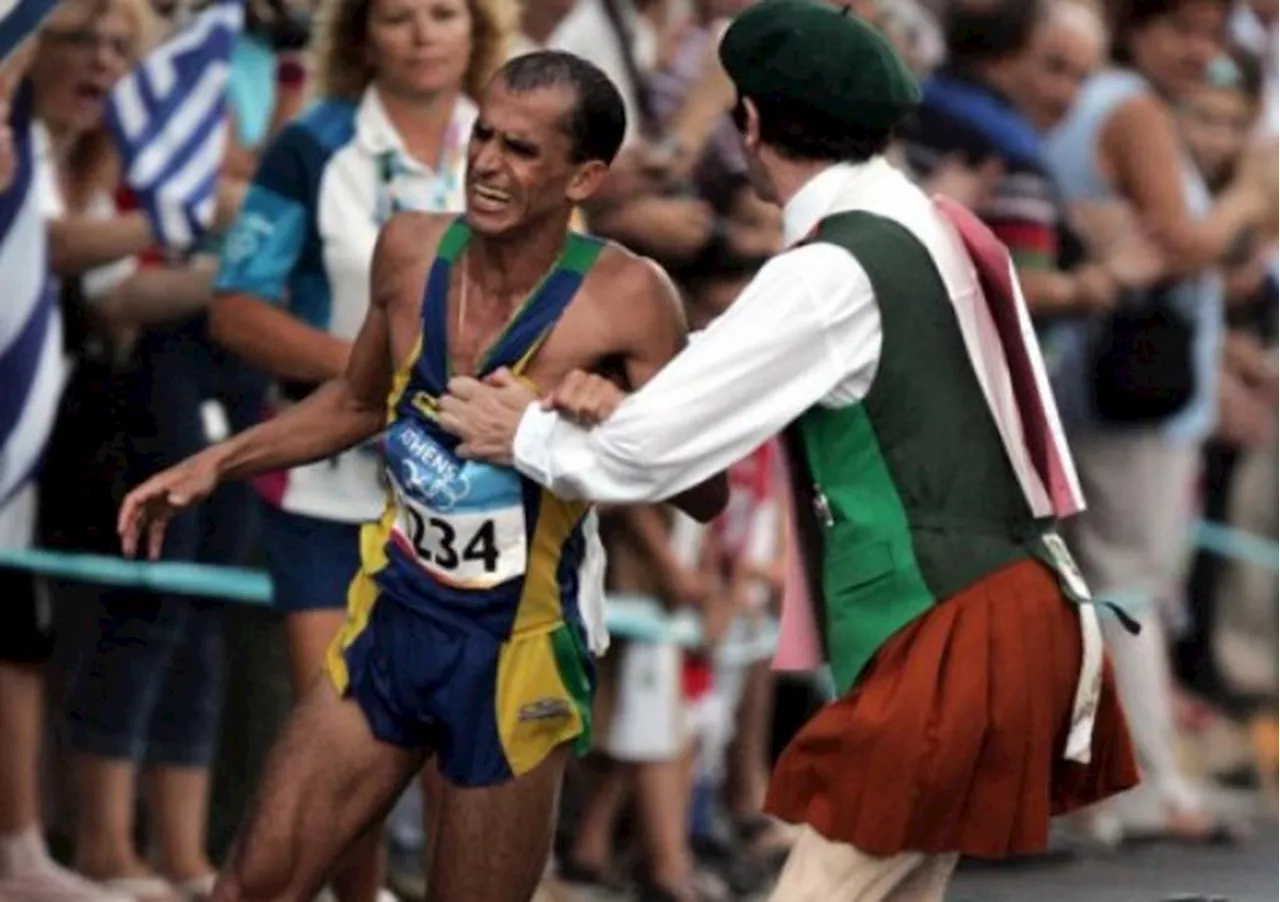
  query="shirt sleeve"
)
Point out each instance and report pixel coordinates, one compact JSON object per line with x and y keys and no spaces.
{"x":807,"y":324}
{"x":268,"y":236}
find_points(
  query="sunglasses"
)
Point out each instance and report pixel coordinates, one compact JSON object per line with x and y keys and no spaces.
{"x":87,"y":41}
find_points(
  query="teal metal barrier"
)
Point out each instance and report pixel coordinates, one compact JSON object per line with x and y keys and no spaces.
{"x":631,"y":617}
{"x":1236,"y":544}
{"x":206,"y":580}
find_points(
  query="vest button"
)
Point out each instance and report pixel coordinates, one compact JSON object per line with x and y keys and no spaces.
{"x":822,"y":508}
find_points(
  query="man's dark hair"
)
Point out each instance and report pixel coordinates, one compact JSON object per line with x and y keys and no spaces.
{"x":809,"y":136}
{"x":598,"y":120}
{"x":983,"y":31}
{"x":1124,"y":17}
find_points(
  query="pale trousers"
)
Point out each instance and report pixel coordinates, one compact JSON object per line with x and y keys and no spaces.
{"x":1132,"y":545}
{"x":819,"y":870}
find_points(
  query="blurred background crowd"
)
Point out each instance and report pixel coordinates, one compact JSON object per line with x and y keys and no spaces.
{"x":1124,"y":150}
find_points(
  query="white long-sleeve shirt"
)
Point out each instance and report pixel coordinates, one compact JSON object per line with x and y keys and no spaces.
{"x":806,"y":331}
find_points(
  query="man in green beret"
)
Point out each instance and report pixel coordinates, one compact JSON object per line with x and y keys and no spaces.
{"x":891,"y":345}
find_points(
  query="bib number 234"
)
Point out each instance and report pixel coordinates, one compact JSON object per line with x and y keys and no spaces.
{"x":440,"y":543}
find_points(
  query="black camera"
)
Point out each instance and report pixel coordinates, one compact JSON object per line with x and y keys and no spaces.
{"x":285,"y":26}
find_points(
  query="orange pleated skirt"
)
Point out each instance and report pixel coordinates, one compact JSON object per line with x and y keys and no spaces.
{"x":952,"y":739}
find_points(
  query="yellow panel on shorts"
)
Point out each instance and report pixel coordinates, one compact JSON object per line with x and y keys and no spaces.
{"x":362,"y":594}
{"x":540,"y":602}
{"x":535,"y":709}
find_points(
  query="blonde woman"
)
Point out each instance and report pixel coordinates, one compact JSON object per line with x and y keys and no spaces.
{"x":30,"y":359}
{"x":145,"y":687}
{"x":388,"y":132}
{"x":128,"y":698}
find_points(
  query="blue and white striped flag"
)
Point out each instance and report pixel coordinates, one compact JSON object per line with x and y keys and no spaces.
{"x":169,"y":121}
{"x":32,"y":367}
{"x":20,"y":18}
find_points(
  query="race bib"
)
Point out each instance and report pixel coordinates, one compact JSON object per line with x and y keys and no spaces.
{"x":463,"y":521}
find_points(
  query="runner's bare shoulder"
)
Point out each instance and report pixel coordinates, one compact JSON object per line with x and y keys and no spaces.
{"x":405,"y":249}
{"x":630,"y":286}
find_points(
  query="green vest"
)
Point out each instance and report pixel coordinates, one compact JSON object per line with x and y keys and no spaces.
{"x":906,"y":497}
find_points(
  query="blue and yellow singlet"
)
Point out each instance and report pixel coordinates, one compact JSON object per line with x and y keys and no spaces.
{"x":479,"y":564}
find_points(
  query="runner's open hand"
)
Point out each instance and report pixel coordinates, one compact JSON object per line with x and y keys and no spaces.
{"x":153,"y":504}
{"x":585,"y":398}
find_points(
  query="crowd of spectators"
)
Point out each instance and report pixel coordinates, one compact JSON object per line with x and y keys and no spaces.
{"x":1124,"y":150}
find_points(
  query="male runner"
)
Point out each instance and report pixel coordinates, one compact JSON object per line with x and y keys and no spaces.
{"x":464,"y":636}
{"x":893,"y":346}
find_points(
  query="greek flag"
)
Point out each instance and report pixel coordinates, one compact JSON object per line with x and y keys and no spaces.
{"x":32,"y":367}
{"x":168,"y":120}
{"x":18,"y":19}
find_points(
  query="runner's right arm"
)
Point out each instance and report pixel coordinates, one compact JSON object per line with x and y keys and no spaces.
{"x":340,"y":414}
{"x":344,"y":411}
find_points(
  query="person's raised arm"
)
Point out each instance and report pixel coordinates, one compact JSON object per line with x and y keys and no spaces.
{"x":79,"y":243}
{"x":1140,"y":146}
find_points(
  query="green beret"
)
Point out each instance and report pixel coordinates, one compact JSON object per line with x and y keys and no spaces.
{"x":819,"y":56}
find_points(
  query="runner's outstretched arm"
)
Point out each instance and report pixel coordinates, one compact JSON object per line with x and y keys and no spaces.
{"x":340,"y":414}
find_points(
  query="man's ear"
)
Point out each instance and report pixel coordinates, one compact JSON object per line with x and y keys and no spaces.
{"x":587,"y":180}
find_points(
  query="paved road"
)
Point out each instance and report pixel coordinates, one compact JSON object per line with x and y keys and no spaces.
{"x":1246,"y":873}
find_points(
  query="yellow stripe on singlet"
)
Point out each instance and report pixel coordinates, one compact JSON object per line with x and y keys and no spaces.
{"x":540,"y":601}
{"x":400,"y":380}
{"x":362,"y":593}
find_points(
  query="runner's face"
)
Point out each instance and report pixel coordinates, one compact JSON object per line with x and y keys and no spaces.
{"x":520,"y":168}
